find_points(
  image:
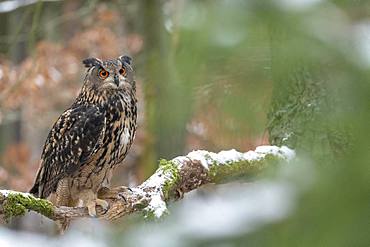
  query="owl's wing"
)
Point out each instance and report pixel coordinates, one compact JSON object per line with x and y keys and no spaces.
{"x":74,"y":139}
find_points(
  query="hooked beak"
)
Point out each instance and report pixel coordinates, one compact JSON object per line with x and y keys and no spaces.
{"x":116,"y":80}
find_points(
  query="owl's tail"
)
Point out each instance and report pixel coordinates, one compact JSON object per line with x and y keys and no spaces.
{"x":63,"y":225}
{"x":35,"y":189}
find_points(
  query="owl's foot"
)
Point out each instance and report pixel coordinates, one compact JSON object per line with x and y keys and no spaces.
{"x":124,"y":190}
{"x":91,"y":206}
{"x":114,"y":193}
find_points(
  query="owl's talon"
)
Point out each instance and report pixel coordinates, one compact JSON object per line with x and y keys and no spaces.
{"x":102,"y":203}
{"x":91,"y":206}
{"x":113,"y":193}
{"x":121,"y":196}
{"x":124,"y":189}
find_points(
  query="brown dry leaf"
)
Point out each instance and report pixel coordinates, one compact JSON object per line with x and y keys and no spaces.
{"x":19,"y":169}
{"x":107,"y":16}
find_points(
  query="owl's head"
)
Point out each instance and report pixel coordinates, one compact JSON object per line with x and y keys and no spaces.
{"x":115,"y":74}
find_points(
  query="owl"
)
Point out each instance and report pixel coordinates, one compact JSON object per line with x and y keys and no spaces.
{"x":91,"y":137}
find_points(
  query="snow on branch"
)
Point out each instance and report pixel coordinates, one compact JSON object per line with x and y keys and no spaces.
{"x":169,"y":182}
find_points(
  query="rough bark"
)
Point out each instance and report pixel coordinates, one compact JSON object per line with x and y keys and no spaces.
{"x":169,"y":182}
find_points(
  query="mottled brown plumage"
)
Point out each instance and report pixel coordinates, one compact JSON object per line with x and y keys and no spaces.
{"x":91,"y":137}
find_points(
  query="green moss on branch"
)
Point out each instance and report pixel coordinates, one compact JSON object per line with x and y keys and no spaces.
{"x":169,"y":169}
{"x":222,"y":173}
{"x":17,"y":204}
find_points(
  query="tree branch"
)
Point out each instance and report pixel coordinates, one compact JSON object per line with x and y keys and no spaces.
{"x":169,"y":182}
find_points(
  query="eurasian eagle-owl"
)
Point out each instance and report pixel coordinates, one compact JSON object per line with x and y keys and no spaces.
{"x":91,"y":137}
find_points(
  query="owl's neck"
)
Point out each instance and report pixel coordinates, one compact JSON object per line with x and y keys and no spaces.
{"x":89,"y":95}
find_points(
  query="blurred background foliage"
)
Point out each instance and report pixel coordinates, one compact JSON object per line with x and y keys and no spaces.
{"x":212,"y":75}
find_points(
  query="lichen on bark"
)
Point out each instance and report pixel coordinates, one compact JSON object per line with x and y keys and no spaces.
{"x":222,"y":173}
{"x":17,"y":204}
{"x":171,"y":169}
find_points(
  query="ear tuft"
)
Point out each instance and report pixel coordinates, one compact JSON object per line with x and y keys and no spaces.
{"x":126,"y":59}
{"x":90,"y":62}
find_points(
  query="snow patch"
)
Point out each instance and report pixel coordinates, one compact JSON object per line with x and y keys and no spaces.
{"x":179,"y":161}
{"x":153,"y":181}
{"x":268,"y":149}
{"x":158,"y":179}
{"x":208,"y":158}
{"x":224,"y":157}
{"x":288,"y":153}
{"x":200,"y":155}
{"x":8,"y":192}
{"x":157,"y":205}
{"x":251,"y":155}
{"x":284,"y":152}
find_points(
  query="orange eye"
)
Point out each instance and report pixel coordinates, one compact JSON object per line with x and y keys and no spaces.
{"x":122,"y":71}
{"x":103,"y":73}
